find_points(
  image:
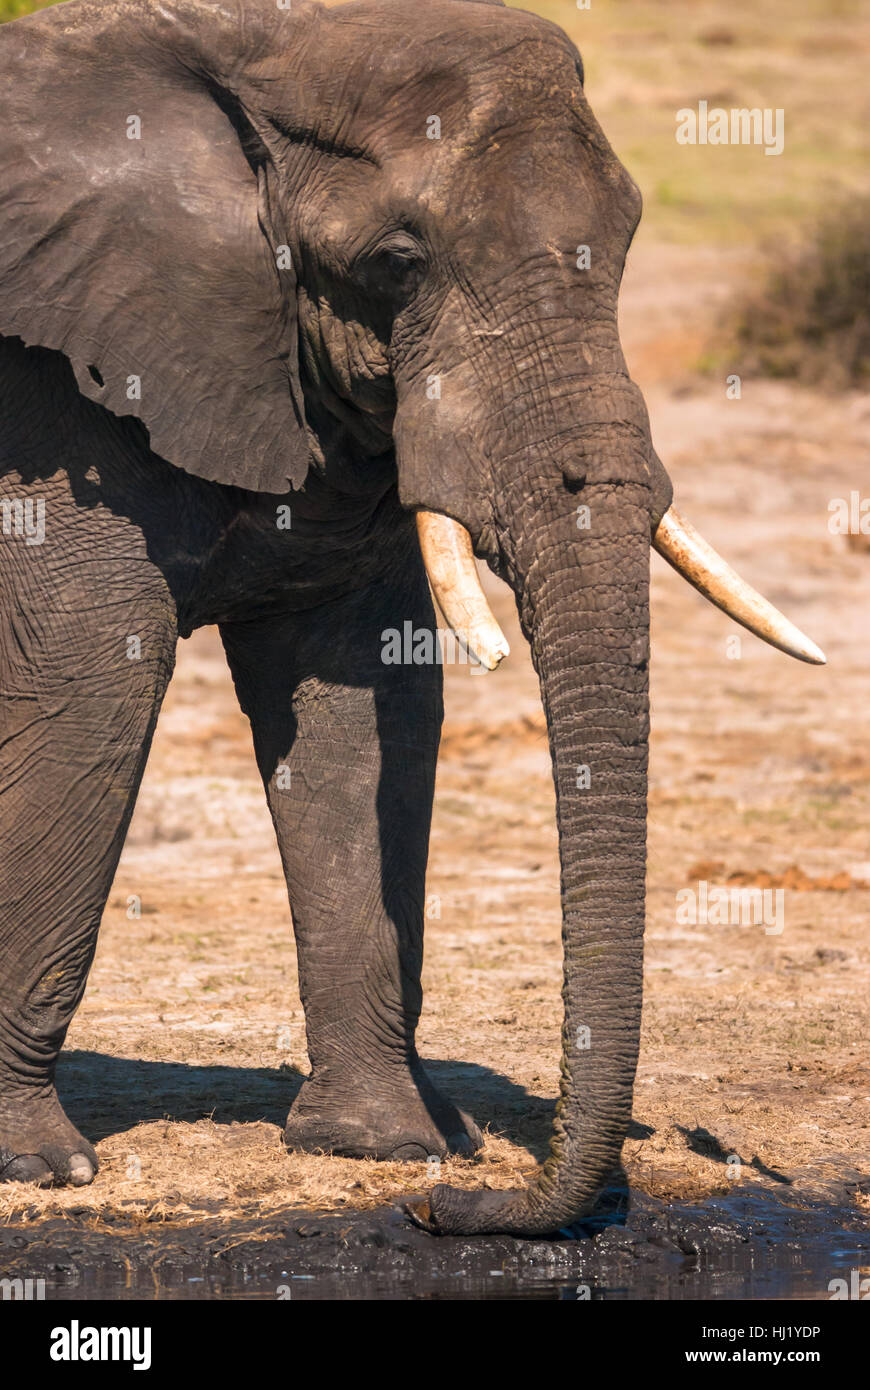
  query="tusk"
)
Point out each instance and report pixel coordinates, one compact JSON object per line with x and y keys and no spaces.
{"x":449,"y":561}
{"x":697,"y":561}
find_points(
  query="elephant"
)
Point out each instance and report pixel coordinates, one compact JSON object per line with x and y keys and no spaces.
{"x":305,"y":310}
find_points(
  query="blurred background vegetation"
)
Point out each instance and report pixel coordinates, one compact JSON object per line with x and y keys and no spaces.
{"x":645,"y":59}
{"x":809,"y":315}
{"x":14,"y":9}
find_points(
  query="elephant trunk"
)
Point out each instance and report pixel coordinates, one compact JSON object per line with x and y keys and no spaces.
{"x":585,"y":608}
{"x":583,"y":596}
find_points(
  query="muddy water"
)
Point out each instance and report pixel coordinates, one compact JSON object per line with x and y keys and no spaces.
{"x":749,"y":1245}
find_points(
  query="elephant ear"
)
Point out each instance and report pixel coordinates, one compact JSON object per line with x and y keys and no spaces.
{"x":135,"y":230}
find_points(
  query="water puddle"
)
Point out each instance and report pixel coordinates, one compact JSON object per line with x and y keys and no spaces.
{"x":753,"y":1244}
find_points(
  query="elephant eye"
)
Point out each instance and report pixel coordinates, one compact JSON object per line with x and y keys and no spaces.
{"x":399,"y":263}
{"x":401,"y":260}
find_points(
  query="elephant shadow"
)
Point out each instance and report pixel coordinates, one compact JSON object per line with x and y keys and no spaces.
{"x":105,"y":1095}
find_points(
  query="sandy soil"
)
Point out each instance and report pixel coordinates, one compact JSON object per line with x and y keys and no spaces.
{"x":189,"y":1045}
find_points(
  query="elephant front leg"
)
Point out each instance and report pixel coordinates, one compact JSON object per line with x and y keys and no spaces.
{"x":347,"y":747}
{"x":79,"y":708}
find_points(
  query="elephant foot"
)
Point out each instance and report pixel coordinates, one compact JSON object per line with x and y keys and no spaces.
{"x":401,"y":1118}
{"x":39,"y":1145}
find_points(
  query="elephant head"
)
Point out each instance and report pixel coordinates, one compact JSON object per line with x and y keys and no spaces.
{"x":250,"y":225}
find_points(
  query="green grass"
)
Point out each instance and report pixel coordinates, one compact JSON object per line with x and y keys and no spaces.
{"x":14,"y":9}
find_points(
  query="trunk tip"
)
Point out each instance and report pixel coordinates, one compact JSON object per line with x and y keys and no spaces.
{"x":420,"y":1212}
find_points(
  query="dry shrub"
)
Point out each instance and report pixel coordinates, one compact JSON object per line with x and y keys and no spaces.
{"x":810,"y":319}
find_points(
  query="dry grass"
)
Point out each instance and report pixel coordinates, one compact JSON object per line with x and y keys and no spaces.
{"x":809,"y":318}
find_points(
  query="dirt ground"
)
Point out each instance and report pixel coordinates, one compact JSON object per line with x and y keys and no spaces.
{"x":189,"y":1046}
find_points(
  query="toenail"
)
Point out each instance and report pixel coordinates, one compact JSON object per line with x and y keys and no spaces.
{"x":81,"y":1170}
{"x":28,"y":1168}
{"x":410,"y":1152}
{"x":461,"y":1144}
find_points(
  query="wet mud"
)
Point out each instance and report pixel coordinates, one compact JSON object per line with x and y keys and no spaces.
{"x":753,"y":1244}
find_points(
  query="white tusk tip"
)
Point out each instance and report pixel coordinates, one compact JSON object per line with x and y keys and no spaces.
{"x":488,"y":655}
{"x":813,"y":654}
{"x":449,"y":561}
{"x":499,"y":653}
{"x":697,"y":561}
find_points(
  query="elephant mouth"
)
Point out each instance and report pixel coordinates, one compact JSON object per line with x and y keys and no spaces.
{"x":449,"y":559}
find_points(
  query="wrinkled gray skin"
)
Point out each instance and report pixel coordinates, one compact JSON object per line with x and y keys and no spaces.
{"x":159,"y":259}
